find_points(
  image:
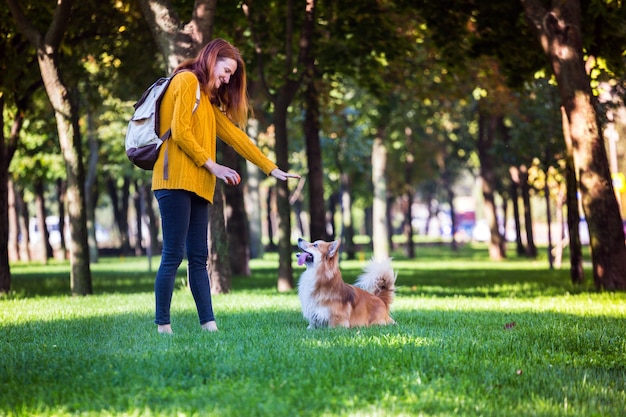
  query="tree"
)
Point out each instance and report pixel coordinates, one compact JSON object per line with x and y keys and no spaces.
{"x":18,"y":85}
{"x":47,"y":46}
{"x":287,"y":52}
{"x":558,"y":29}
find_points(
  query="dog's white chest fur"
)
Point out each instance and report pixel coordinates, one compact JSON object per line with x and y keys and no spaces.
{"x":316,"y":315}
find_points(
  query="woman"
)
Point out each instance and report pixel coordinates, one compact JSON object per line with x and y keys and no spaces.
{"x":186,"y":172}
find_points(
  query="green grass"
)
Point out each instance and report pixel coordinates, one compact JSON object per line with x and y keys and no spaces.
{"x":449,"y":354}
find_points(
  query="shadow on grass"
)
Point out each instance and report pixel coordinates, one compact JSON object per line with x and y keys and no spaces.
{"x":266,"y":363}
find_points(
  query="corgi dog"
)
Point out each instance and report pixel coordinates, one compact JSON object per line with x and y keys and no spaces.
{"x":328,"y":301}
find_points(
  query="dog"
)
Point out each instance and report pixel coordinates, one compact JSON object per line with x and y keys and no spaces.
{"x":328,"y":301}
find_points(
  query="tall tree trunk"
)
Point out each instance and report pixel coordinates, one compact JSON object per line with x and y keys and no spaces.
{"x":44,"y":250}
{"x":315,"y":175}
{"x":347,"y":225}
{"x":407,"y":227}
{"x":380,"y":231}
{"x":546,"y":191}
{"x":138,"y":205}
{"x":120,"y":210}
{"x":558,"y":30}
{"x":153,"y":222}
{"x":282,"y":96}
{"x":13,"y":251}
{"x":514,"y":191}
{"x":558,"y":250}
{"x":219,"y":272}
{"x":577,"y":272}
{"x":22,"y":219}
{"x":409,"y":168}
{"x":270,"y":202}
{"x":66,"y":116}
{"x":7,"y":150}
{"x":531,"y":249}
{"x":285,"y":268}
{"x":450,"y":193}
{"x":91,"y":186}
{"x":61,"y":194}
{"x":253,"y":198}
{"x":487,"y":130}
{"x":236,"y":222}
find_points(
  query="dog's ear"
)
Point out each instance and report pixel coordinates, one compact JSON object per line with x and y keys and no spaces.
{"x":334,"y":248}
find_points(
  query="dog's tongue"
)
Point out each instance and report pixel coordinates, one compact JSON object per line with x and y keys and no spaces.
{"x":302,"y":258}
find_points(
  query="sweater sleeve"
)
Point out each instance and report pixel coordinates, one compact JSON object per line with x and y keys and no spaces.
{"x":185,"y":86}
{"x":241,"y":143}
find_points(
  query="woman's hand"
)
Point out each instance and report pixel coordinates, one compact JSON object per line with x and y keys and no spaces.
{"x":282,"y":175}
{"x":228,"y":175}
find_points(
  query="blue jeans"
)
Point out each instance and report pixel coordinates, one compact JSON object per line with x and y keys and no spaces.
{"x":184,"y":222}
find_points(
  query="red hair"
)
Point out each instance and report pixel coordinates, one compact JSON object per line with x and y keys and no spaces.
{"x":232,"y":98}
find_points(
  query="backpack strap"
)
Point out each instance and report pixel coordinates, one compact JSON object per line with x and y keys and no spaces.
{"x":168,"y":133}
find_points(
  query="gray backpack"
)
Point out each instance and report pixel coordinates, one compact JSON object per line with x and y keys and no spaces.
{"x":143,"y":142}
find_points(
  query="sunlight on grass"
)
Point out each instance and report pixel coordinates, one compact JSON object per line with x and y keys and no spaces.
{"x":473,"y":338}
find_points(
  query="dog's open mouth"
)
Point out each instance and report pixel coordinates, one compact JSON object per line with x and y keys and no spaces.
{"x":304,"y":257}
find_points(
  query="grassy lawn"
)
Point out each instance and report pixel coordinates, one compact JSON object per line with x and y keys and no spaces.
{"x":454,"y":351}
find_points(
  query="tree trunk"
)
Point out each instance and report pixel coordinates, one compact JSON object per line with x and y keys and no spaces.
{"x":120,"y":210}
{"x":219,"y":272}
{"x":347,"y":225}
{"x":153,"y":222}
{"x":450,"y":193}
{"x":7,"y":150}
{"x":514,"y":191}
{"x":44,"y":250}
{"x":380,"y":232}
{"x":407,"y":226}
{"x":282,"y":96}
{"x":12,"y":221}
{"x":546,"y":191}
{"x":558,"y":29}
{"x":236,"y":222}
{"x":315,"y":175}
{"x":558,"y":250}
{"x":22,"y":219}
{"x":531,"y":249}
{"x":61,"y":193}
{"x":253,"y":198}
{"x":285,"y":268}
{"x":66,"y":116}
{"x":178,"y":41}
{"x":138,"y":205}
{"x":409,"y":168}
{"x":577,"y":272}
{"x":5,"y":270}
{"x":487,"y":128}
{"x":91,"y":186}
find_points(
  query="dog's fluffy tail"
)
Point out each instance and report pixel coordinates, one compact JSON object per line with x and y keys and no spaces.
{"x":379,"y":278}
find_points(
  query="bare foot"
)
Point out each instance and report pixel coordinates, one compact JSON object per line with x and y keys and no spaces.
{"x":165,"y":328}
{"x":210,"y":326}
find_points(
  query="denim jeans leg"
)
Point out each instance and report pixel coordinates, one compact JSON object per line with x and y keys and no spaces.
{"x":197,"y":255}
{"x":175,"y":209}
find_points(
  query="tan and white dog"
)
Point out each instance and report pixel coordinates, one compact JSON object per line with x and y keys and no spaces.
{"x":328,"y":301}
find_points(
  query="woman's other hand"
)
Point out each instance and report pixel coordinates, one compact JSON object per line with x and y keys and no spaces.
{"x":282,"y":175}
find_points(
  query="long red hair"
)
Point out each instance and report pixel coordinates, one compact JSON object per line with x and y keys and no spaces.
{"x":232,"y":98}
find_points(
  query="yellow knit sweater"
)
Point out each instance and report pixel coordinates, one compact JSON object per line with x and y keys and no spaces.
{"x":193,"y":140}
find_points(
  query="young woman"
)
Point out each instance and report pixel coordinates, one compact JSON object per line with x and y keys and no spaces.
{"x":186,"y":172}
